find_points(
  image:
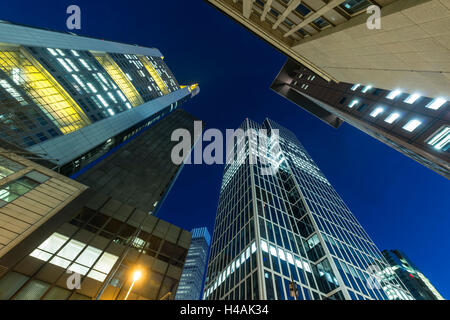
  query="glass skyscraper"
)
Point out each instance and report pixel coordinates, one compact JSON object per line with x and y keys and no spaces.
{"x":191,"y":282}
{"x":103,"y":226}
{"x":71,"y":98}
{"x":416,"y":282}
{"x":288,"y":224}
{"x":101,"y":112}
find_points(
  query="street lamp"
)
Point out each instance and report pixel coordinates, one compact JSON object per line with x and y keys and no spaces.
{"x":136,"y":276}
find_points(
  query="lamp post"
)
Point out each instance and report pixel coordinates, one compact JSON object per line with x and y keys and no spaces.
{"x":136,"y":276}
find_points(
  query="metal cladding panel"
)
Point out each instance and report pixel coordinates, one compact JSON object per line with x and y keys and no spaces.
{"x":27,"y":36}
{"x":65,"y":148}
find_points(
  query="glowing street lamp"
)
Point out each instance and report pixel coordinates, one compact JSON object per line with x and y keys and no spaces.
{"x":136,"y":276}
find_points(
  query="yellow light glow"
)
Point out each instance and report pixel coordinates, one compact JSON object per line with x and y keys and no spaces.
{"x":137,"y":275}
{"x":43,"y":89}
{"x":155,"y":75}
{"x":119,"y":78}
{"x":191,"y":87}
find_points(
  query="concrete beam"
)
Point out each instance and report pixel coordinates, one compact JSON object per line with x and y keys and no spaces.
{"x":247,"y":6}
{"x":315,"y":15}
{"x":267,"y":7}
{"x":294,"y":4}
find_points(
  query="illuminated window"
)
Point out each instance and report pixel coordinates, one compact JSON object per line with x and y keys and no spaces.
{"x":102,"y":100}
{"x":264,"y":246}
{"x":356,"y":86}
{"x":81,"y":83}
{"x":90,"y":257}
{"x":44,"y":90}
{"x":121,"y":96}
{"x":273,"y":251}
{"x":412,"y":125}
{"x":354,"y":6}
{"x":393,"y":94}
{"x":13,"y":92}
{"x":366,"y":88}
{"x":412,"y":98}
{"x":376,"y":112}
{"x":154,"y":74}
{"x":64,"y":64}
{"x":120,"y":78}
{"x":436,"y":103}
{"x":53,"y":52}
{"x":111,"y":96}
{"x":72,"y":65}
{"x":13,"y":190}
{"x":392,"y":117}
{"x":85,"y":64}
{"x":353,"y":103}
{"x":440,"y":140}
{"x":8,"y":167}
{"x":60,"y":52}
{"x":93,"y":89}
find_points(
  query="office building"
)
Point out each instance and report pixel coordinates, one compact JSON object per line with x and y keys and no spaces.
{"x":61,"y":240}
{"x":140,"y":171}
{"x":102,"y":226}
{"x":419,"y":286}
{"x":71,"y":99}
{"x":337,"y":40}
{"x":392,"y":83}
{"x":191,"y":282}
{"x":415,"y":125}
{"x":288,"y":224}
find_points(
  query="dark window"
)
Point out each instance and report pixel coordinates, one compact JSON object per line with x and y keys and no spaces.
{"x":362,"y":107}
{"x":29,"y":141}
{"x":320,"y":22}
{"x":377,"y":92}
{"x":41,"y":136}
{"x":303,"y":10}
{"x":53,"y":132}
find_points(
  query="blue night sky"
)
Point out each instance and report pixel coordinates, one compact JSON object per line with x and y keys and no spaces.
{"x":400,"y":203}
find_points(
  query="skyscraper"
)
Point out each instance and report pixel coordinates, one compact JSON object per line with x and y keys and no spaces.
{"x":340,"y":40}
{"x":415,"y":125}
{"x":71,"y":99}
{"x":391,"y":83}
{"x":52,"y":227}
{"x":285,"y":223}
{"x":419,"y":286}
{"x":140,"y":171}
{"x":191,"y":282}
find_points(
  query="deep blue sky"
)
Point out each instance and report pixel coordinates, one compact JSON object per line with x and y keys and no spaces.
{"x":402,"y":204}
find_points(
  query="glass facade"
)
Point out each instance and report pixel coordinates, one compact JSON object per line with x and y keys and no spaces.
{"x":411,"y":123}
{"x":32,"y":98}
{"x":416,"y":282}
{"x":92,"y":245}
{"x":191,"y":282}
{"x":288,"y":226}
{"x":46,"y":91}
